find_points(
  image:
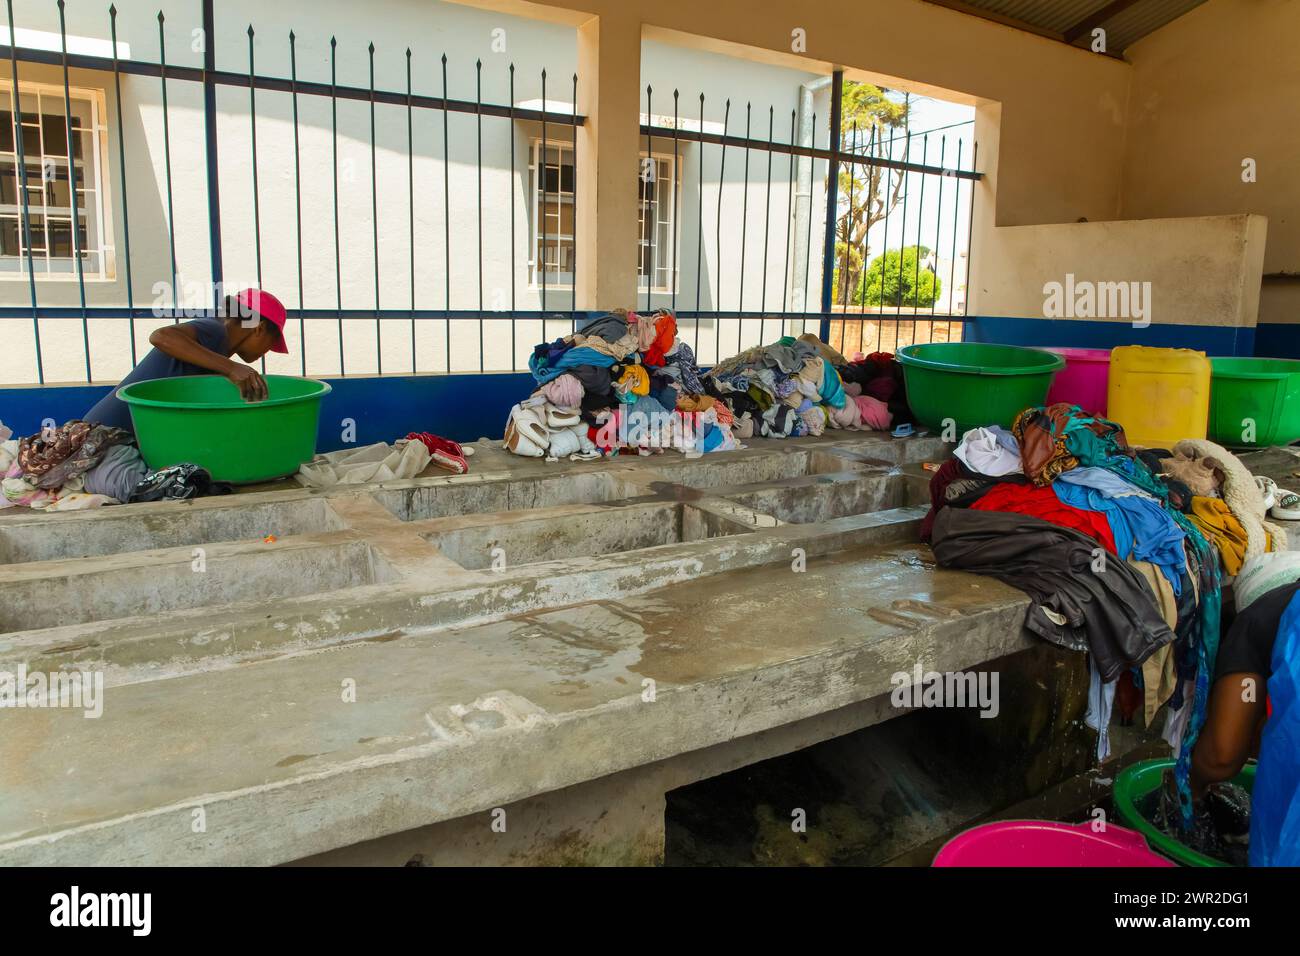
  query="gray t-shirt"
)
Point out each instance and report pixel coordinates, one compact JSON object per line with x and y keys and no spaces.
{"x":111,"y":410}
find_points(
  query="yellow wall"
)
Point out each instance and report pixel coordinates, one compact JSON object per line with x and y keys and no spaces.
{"x":1211,"y":89}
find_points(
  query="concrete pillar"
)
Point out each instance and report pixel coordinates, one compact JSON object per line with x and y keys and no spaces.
{"x":609,"y":78}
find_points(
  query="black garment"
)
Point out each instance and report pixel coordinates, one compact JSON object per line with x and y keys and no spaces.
{"x":1111,"y":613}
{"x":111,"y":410}
{"x":1247,"y":648}
{"x":593,"y":378}
{"x":177,"y":483}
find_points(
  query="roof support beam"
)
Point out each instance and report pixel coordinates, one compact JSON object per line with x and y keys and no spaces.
{"x":1093,"y":20}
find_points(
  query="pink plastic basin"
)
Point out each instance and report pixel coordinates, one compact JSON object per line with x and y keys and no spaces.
{"x":1084,"y":379}
{"x":1045,"y":843}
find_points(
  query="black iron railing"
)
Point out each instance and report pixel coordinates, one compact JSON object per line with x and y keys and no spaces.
{"x":866,"y":153}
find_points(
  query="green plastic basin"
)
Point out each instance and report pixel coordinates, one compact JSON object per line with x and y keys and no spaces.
{"x":975,"y":384}
{"x":202,"y":419}
{"x":1262,"y":391}
{"x":1140,"y":780}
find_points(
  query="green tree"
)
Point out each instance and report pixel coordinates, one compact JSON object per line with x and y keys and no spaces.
{"x":894,"y":280}
{"x":868,"y":120}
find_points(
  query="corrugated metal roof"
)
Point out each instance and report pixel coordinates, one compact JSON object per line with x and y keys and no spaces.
{"x":1126,"y":28}
{"x":1125,"y":21}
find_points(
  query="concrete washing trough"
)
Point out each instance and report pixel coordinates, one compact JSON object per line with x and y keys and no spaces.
{"x":564,"y":641}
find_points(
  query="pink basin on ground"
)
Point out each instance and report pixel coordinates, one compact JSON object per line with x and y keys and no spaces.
{"x":1046,"y":843}
{"x":1084,"y":379}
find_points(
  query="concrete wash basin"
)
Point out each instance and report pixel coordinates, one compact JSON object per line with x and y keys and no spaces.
{"x":727,"y":470}
{"x":812,"y":498}
{"x":457,"y":497}
{"x":55,"y":593}
{"x":587,"y":534}
{"x":59,"y":537}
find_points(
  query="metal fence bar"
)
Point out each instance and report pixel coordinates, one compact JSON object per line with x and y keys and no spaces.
{"x":970,"y":231}
{"x":767,"y":221}
{"x":374,"y":216}
{"x":673,"y":274}
{"x":478,"y":119}
{"x":699,"y":238}
{"x":410,"y":195}
{"x":789,"y":227}
{"x":832,"y":199}
{"x":938,"y":224}
{"x":338,"y":256}
{"x":744,"y":223}
{"x":15,"y":115}
{"x":167,"y":158}
{"x":257,"y":212}
{"x":843,"y":156}
{"x":807,"y":269}
{"x":121,"y":154}
{"x":722,"y":182}
{"x":541,"y":225}
{"x":573,"y":303}
{"x":920,"y":216}
{"x":210,"y":142}
{"x":446,"y":211}
{"x":513,"y":353}
{"x":647,"y":176}
{"x":74,"y":226}
{"x":82,"y":61}
{"x":297,"y":194}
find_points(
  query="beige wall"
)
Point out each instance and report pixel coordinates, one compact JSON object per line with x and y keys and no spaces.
{"x":1202,"y":271}
{"x":1213,"y":88}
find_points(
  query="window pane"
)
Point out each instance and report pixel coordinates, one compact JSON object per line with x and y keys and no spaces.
{"x":9,"y":244}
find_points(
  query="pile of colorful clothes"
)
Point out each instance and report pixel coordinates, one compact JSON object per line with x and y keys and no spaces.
{"x":82,"y":465}
{"x":798,"y":387}
{"x":75,"y":466}
{"x":625,"y":381}
{"x":1121,"y":550}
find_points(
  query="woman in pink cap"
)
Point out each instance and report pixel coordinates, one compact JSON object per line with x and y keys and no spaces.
{"x":252,"y":325}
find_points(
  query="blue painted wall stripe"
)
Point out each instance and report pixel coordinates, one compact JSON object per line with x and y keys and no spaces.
{"x":470,"y":406}
{"x":1083,"y":333}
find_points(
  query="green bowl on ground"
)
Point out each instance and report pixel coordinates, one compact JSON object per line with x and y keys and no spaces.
{"x":1254,"y":394}
{"x":1137,"y":782}
{"x":202,"y":419}
{"x":975,"y":384}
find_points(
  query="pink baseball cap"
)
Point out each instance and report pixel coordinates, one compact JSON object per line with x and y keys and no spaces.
{"x":269,"y":308}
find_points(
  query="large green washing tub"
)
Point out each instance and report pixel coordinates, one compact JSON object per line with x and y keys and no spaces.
{"x":1254,"y":394}
{"x":1138,"y":781}
{"x":202,"y":419}
{"x":975,"y":384}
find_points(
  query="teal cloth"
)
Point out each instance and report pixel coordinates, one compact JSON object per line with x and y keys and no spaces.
{"x":832,"y":390}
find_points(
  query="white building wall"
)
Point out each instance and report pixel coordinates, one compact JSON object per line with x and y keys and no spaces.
{"x":429,"y":29}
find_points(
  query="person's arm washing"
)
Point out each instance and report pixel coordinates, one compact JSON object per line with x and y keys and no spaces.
{"x":252,"y":326}
{"x":181,"y":342}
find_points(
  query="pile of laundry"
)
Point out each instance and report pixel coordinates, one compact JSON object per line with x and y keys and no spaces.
{"x":802,"y":386}
{"x":82,"y":465}
{"x":1121,"y":550}
{"x":625,"y":381}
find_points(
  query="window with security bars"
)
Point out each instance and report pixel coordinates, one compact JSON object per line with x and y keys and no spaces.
{"x":553,"y":216}
{"x":50,"y":162}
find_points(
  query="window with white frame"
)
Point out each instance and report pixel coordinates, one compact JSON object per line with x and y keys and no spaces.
{"x":553,"y":212}
{"x":552,"y":227}
{"x":48,"y":155}
{"x":657,"y":223}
